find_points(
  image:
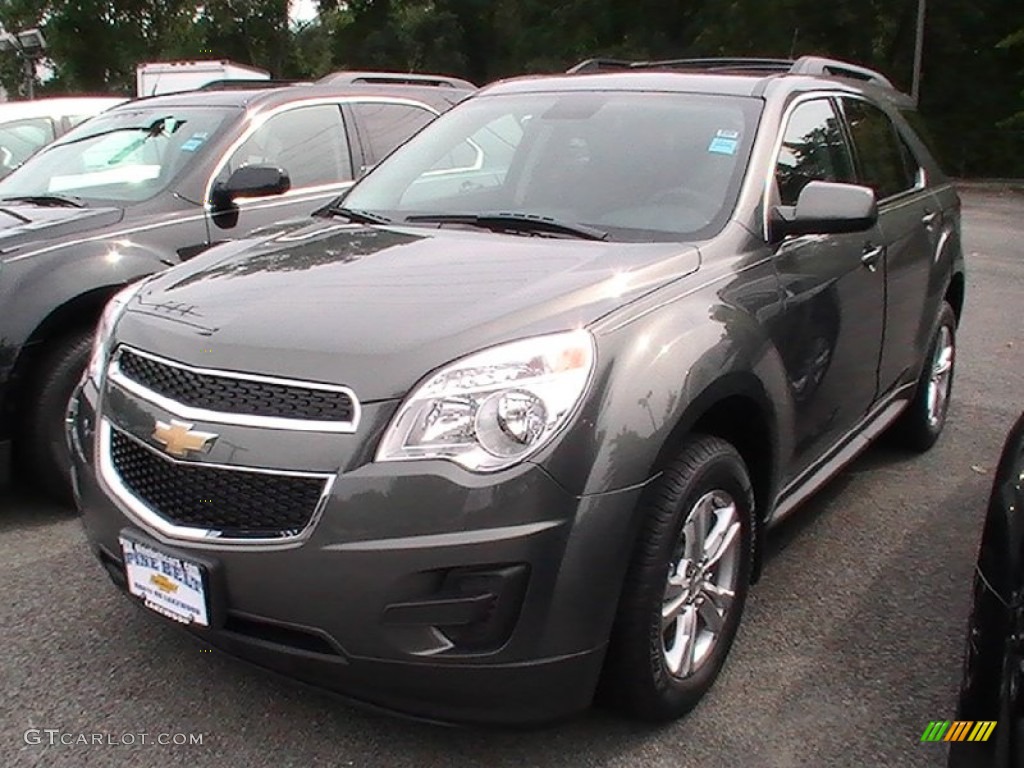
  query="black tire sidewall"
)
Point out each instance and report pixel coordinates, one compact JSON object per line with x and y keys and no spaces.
{"x":637,"y":679}
{"x":43,"y":450}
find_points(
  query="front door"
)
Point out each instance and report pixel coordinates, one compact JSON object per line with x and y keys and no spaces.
{"x":830,"y":330}
{"x":308,"y":142}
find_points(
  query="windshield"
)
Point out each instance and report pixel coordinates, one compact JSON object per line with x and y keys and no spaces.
{"x":123,"y":156}
{"x":637,"y":166}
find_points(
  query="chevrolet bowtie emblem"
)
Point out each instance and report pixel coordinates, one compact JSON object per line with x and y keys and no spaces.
{"x":162,"y":583}
{"x":179,"y":439}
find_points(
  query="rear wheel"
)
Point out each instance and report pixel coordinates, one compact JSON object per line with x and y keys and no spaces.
{"x":686,"y":584}
{"x":42,"y":448}
{"x":920,"y":425}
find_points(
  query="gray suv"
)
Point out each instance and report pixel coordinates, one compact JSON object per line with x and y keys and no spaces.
{"x":505,"y":425}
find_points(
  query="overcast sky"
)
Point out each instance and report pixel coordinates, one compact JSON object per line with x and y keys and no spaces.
{"x":301,"y":10}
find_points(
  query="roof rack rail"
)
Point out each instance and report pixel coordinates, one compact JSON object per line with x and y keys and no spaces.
{"x":246,"y":84}
{"x":599,"y":65}
{"x":395,"y":78}
{"x":805,"y":65}
{"x":756,"y":65}
{"x":819,"y":65}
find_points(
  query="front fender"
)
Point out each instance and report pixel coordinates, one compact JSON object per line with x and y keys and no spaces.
{"x":37,"y":289}
{"x":660,"y":372}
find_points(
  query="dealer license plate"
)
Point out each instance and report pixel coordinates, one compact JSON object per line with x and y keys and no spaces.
{"x":172,"y":586}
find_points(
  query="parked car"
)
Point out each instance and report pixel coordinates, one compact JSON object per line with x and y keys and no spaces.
{"x":991,"y":690}
{"x":513,"y":415}
{"x":28,"y":126}
{"x":151,"y":184}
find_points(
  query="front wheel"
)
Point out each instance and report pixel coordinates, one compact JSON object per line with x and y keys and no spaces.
{"x":921,"y":423}
{"x":686,"y":584}
{"x":42,"y":446}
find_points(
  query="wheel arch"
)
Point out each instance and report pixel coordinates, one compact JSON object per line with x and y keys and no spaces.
{"x":79,"y":312}
{"x":955,"y":294}
{"x":61,"y":291}
{"x":737,"y":409}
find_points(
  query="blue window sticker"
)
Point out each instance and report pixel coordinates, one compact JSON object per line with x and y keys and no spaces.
{"x":194,"y":142}
{"x":723,"y":146}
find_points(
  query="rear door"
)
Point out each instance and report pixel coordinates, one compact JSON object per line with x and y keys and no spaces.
{"x":910,"y":223}
{"x":310,"y":143}
{"x":830,"y":331}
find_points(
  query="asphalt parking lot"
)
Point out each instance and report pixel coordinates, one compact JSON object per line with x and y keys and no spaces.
{"x":850,"y":644}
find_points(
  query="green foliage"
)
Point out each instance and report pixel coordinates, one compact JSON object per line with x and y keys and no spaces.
{"x":972,"y":87}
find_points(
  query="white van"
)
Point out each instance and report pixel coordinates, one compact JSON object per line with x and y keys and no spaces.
{"x":28,"y":126}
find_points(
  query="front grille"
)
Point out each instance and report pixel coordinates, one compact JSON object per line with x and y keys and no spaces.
{"x":242,"y":396}
{"x":237,"y":503}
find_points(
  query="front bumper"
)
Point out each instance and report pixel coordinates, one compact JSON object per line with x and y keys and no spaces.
{"x":422,"y":588}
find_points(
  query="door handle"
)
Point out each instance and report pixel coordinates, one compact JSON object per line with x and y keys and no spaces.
{"x":871,"y":256}
{"x":930,"y":218}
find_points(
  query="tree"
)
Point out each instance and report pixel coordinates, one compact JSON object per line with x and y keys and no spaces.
{"x":971,"y":91}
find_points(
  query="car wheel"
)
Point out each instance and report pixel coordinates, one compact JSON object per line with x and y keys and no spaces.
{"x":685,"y":586}
{"x":42,"y":445}
{"x":920,"y":425}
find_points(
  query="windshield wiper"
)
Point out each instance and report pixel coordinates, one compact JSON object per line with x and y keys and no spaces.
{"x":353,"y":215}
{"x":513,"y":222}
{"x":16,"y":215}
{"x":66,"y":201}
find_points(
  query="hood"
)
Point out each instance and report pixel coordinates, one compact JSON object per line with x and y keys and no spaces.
{"x":377,"y":309}
{"x":23,"y":225}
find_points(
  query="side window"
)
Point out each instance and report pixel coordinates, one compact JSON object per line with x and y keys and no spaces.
{"x":383,"y":127}
{"x":910,"y":163}
{"x":20,"y":139}
{"x":307,"y":142}
{"x":920,"y":129}
{"x":813,"y":149}
{"x":880,"y":152}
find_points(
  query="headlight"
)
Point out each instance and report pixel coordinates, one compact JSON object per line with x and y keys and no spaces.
{"x":109,"y":318}
{"x":494,"y":408}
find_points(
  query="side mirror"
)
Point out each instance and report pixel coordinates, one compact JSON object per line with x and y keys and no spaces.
{"x":250,"y":181}
{"x":825,"y":208}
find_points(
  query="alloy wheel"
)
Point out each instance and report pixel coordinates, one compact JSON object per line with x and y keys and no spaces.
{"x":701,"y":583}
{"x":941,"y":376}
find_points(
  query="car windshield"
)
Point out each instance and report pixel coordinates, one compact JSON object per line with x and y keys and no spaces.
{"x":636,"y":167}
{"x":123,"y":156}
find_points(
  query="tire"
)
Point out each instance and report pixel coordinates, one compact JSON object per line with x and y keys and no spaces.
{"x":649,"y":674}
{"x":919,"y":426}
{"x":42,"y":449}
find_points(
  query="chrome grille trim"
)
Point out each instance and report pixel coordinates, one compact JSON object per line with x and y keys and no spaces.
{"x":139,"y":512}
{"x":190,"y":413}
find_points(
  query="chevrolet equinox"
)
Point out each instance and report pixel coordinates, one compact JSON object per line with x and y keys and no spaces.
{"x":505,"y":425}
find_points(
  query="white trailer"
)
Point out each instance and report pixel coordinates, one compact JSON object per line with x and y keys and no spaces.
{"x":157,"y":77}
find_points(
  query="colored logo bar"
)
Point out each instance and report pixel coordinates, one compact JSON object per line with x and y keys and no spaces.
{"x":958,"y":730}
